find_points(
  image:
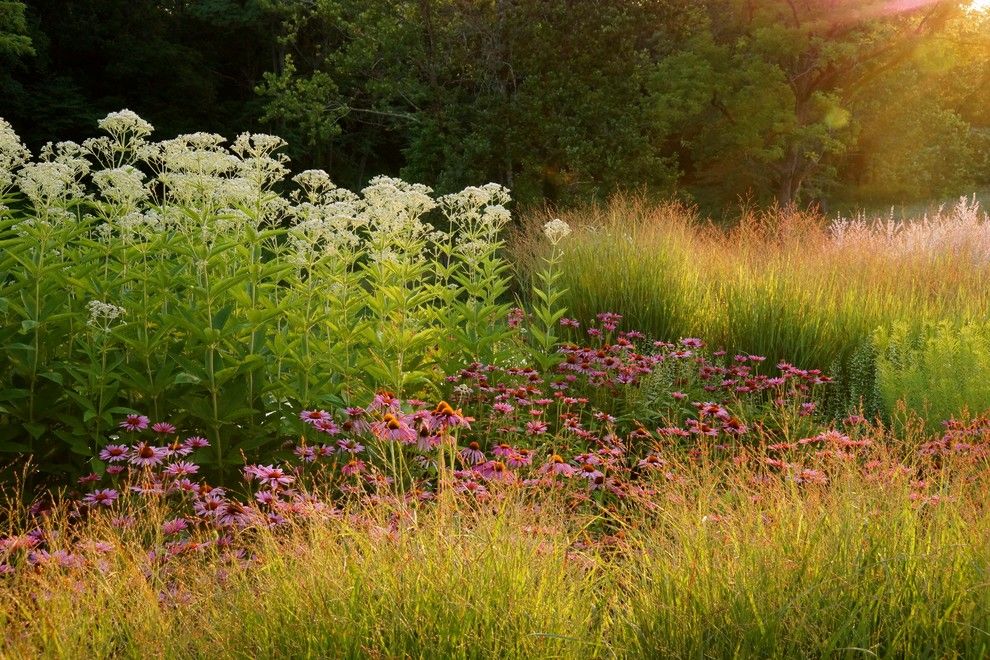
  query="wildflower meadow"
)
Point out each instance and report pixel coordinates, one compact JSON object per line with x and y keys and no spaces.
{"x":245,"y":412}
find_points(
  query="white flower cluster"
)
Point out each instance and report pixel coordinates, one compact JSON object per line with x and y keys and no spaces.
{"x":13,"y":154}
{"x":477,"y":214}
{"x":556,"y":230}
{"x":125,"y":123}
{"x":123,"y":186}
{"x":102,"y":315}
{"x":393,"y":208}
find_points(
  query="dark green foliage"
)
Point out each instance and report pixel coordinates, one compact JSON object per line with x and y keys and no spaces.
{"x":715,"y":101}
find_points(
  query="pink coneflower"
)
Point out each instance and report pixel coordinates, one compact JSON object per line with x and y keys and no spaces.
{"x":115,"y":469}
{"x":327,"y":426}
{"x":87,"y":479}
{"x":472,"y":454}
{"x":350,"y":446}
{"x":147,"y":455}
{"x":569,"y":323}
{"x":516,"y":316}
{"x":445,"y":417}
{"x":177,"y":448}
{"x":502,"y":408}
{"x":652,"y":462}
{"x":114,"y":453}
{"x":495,"y":471}
{"x":101,"y":497}
{"x":235,"y":514}
{"x":502,"y":450}
{"x":734,"y":426}
{"x":149,"y":488}
{"x":306,"y":453}
{"x":181,"y":469}
{"x":21,"y":542}
{"x":187,"y":486}
{"x":268,"y":475}
{"x":392,"y":428}
{"x":692,"y":342}
{"x":353,"y":467}
{"x":385,"y":400}
{"x":135,"y":423}
{"x":536,"y":427}
{"x":208,"y":504}
{"x":426,"y":440}
{"x":609,"y":320}
{"x":472,"y":487}
{"x":266,"y":497}
{"x":807,"y":409}
{"x":313,"y":416}
{"x":356,"y":422}
{"x":174,"y":526}
{"x":678,"y":396}
{"x":519,"y":458}
{"x":196,"y":442}
{"x":557,"y":465}
{"x":163,"y":427}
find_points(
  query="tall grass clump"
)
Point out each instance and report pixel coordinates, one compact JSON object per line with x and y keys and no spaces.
{"x":782,"y":284}
{"x":189,"y":279}
{"x":863,"y":568}
{"x":724,"y":561}
{"x":452,"y":583}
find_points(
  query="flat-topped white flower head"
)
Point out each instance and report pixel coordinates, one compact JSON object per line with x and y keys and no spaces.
{"x":556,"y":230}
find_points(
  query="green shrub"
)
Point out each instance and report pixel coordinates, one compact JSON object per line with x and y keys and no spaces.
{"x":175,"y":278}
{"x":939,"y":371}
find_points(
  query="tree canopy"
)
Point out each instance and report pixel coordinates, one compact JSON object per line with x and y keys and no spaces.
{"x":787,"y":101}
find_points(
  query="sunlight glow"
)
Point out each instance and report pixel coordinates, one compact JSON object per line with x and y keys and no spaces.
{"x":979,"y":5}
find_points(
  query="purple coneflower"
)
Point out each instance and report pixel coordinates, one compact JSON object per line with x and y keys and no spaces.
{"x":536,"y":427}
{"x":327,"y":426}
{"x":557,"y":465}
{"x":356,"y":422}
{"x":353,"y":467}
{"x":114,"y":453}
{"x":392,"y":428}
{"x":174,"y":526}
{"x":90,"y":478}
{"x":101,"y":497}
{"x":472,"y":454}
{"x":519,"y":458}
{"x":306,"y":453}
{"x":350,"y":446}
{"x":445,"y":417}
{"x":502,"y":408}
{"x":181,"y":469}
{"x":495,"y":471}
{"x":163,"y":427}
{"x":196,"y":442}
{"x":147,"y":455}
{"x":385,"y":400}
{"x":313,"y":416}
{"x":135,"y":423}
